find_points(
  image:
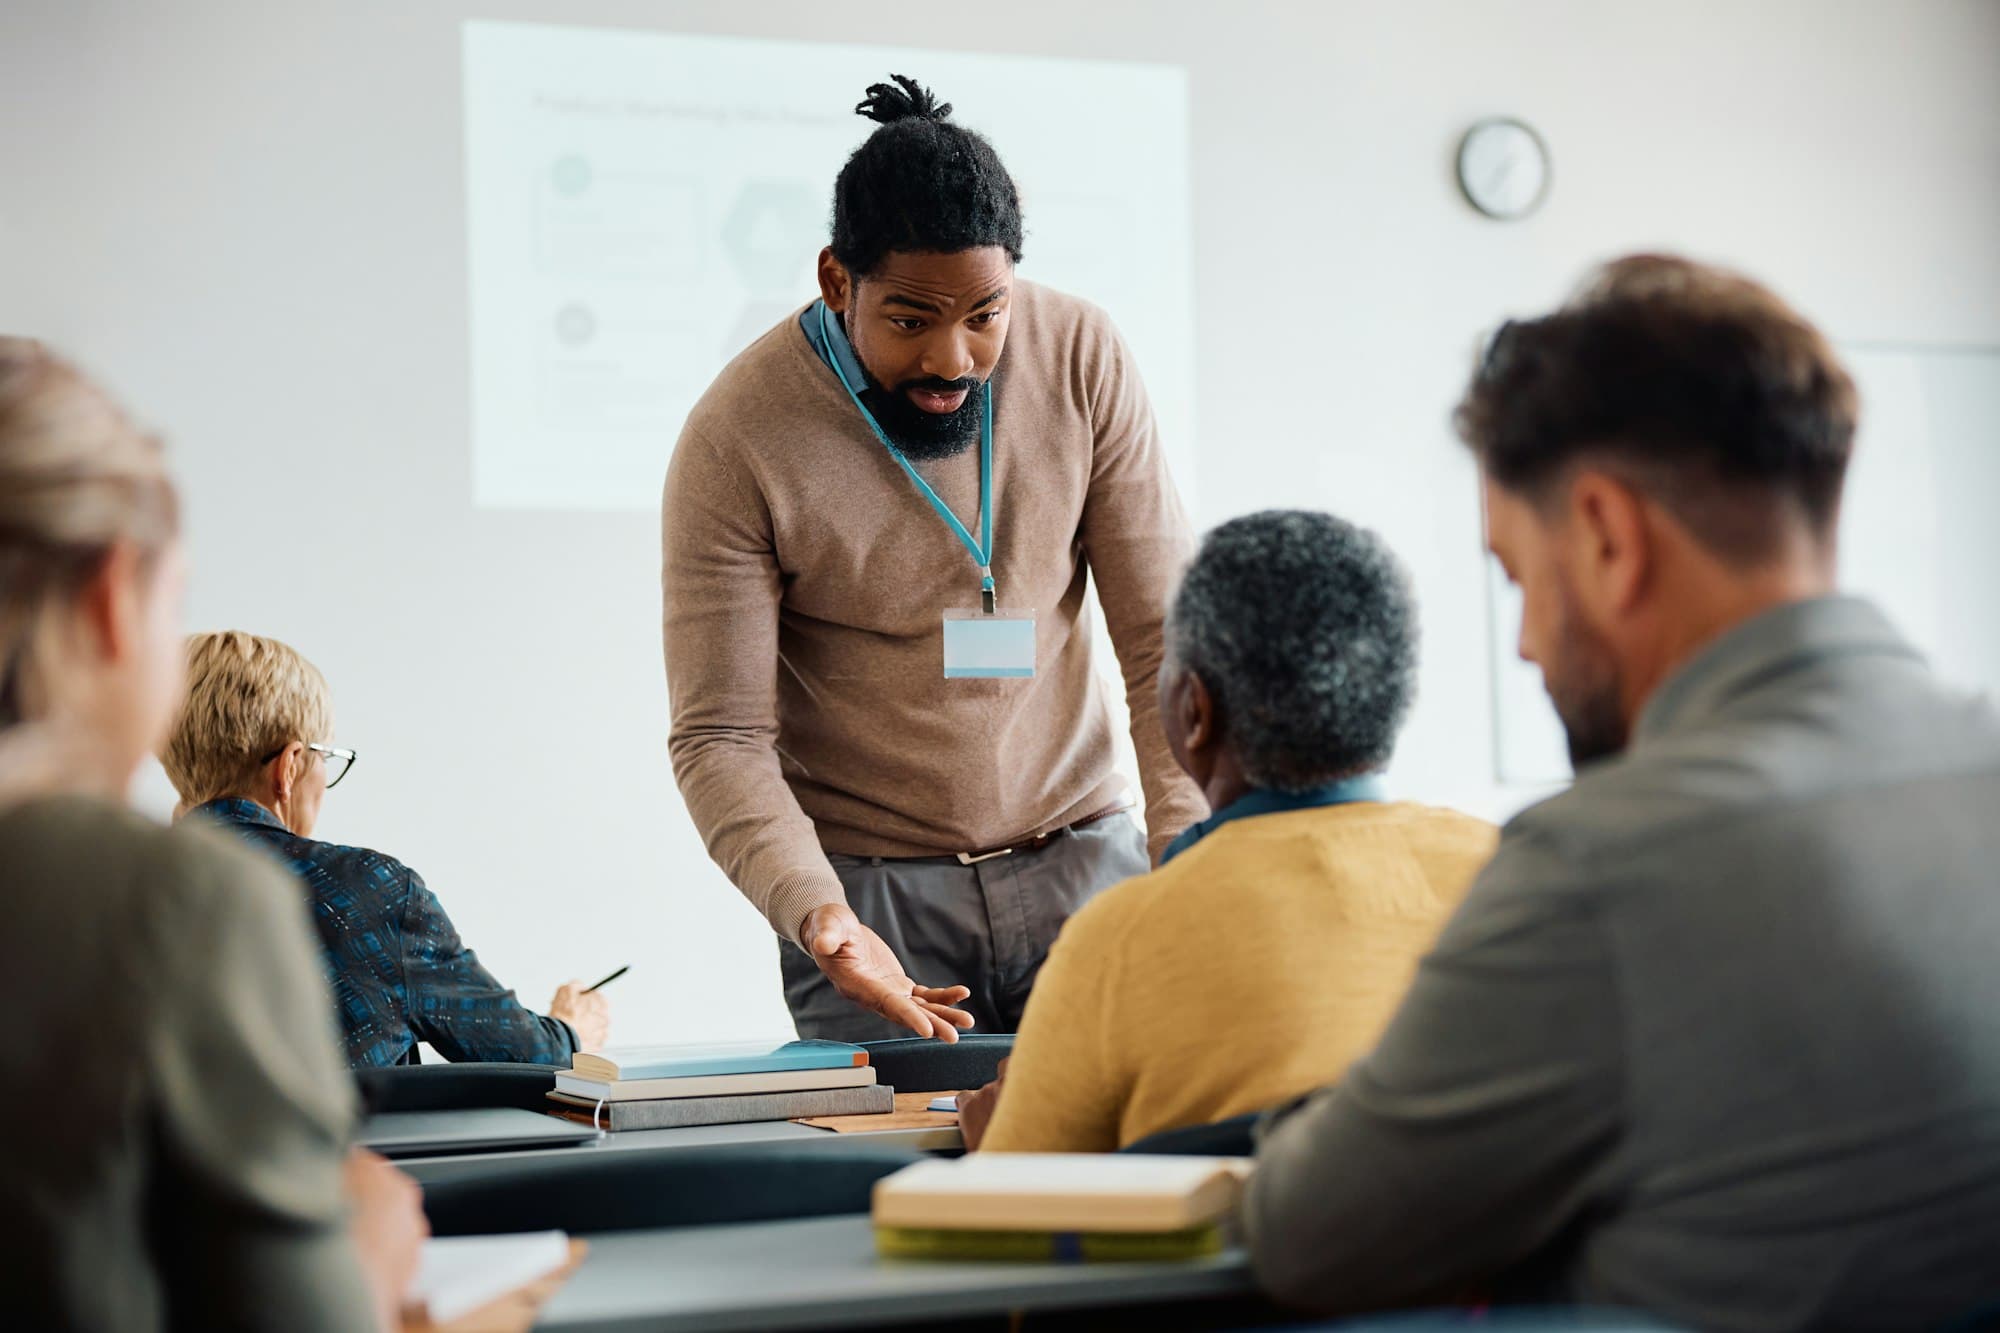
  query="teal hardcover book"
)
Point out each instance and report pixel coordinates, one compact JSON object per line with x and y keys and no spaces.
{"x":711,"y":1058}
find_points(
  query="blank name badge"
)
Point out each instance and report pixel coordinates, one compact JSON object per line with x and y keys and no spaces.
{"x":988,"y":643}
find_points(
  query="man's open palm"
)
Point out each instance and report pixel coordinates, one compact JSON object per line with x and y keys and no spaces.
{"x":865,"y":971}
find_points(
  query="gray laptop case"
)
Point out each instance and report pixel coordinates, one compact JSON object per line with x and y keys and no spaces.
{"x":416,"y":1133}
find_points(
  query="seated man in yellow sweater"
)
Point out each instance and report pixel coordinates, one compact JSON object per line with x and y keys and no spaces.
{"x":1274,"y":941}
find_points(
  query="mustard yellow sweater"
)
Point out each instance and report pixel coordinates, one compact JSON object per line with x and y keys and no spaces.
{"x":1255,"y":966}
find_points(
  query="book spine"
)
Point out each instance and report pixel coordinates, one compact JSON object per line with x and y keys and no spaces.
{"x":761,"y":1064}
{"x":723,"y":1085}
{"x":687,"y":1112}
{"x":1047,"y":1246}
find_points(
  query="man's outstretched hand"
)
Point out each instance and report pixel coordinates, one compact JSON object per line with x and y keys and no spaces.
{"x":865,"y":971}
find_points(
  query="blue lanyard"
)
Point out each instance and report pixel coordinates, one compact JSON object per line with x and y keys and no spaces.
{"x":982,"y":549}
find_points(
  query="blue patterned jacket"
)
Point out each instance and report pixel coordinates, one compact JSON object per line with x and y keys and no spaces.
{"x":399,"y":972}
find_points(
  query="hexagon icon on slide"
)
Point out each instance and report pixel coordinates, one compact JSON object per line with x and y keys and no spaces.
{"x":771,"y":233}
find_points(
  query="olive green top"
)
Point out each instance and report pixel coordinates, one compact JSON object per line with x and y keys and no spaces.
{"x":176,"y":1108}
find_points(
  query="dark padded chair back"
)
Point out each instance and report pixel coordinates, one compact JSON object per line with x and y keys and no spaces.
{"x":615,"y":1191}
{"x":1518,"y":1320}
{"x":1224,"y":1138}
{"x":919,"y":1064}
{"x":1982,"y":1319}
{"x":465,"y":1087}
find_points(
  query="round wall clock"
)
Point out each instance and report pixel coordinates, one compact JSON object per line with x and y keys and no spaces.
{"x":1503,"y":167}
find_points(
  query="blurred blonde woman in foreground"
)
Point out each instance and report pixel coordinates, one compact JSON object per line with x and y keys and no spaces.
{"x":178,"y":1109}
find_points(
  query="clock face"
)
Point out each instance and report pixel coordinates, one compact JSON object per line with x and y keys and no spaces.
{"x":1503,"y":167}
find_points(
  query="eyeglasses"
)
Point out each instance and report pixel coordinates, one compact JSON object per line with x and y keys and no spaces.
{"x":338,"y":761}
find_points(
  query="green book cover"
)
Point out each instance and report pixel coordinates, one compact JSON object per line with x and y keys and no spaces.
{"x":1049,"y":1246}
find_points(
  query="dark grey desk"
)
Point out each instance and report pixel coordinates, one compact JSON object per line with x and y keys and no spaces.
{"x":823,"y":1272}
{"x":777,"y":1133}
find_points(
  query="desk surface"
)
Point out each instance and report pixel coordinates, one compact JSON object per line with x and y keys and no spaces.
{"x":823,"y":1272}
{"x":777,"y":1133}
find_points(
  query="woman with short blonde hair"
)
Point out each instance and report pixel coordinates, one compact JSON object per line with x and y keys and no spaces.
{"x":194,"y":1177}
{"x":253,"y":751}
{"x":247,"y":697}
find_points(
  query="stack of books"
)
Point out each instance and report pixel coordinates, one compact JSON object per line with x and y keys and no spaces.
{"x":1059,"y":1206}
{"x":726,"y":1083}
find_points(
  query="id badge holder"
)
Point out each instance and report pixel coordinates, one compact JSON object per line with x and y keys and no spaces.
{"x":979,"y":643}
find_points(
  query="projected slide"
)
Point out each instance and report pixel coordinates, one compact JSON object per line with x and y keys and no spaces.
{"x":642,"y":205}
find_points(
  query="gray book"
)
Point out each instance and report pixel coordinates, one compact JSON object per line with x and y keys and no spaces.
{"x":683,"y":1112}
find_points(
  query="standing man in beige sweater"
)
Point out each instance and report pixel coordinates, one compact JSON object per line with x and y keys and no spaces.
{"x":877,"y":531}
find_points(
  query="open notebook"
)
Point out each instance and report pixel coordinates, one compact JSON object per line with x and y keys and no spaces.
{"x":460,"y":1274}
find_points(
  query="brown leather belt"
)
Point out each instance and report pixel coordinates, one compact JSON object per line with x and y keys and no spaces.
{"x":1041,"y":840}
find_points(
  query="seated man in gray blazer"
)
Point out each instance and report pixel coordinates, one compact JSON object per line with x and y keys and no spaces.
{"x":1717,"y":1033}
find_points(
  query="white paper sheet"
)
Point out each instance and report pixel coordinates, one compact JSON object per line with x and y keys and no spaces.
{"x":459,"y":1274}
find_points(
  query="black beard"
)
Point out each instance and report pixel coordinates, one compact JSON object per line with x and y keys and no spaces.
{"x":1594,"y":728}
{"x":1585,"y":691}
{"x":922,"y":436}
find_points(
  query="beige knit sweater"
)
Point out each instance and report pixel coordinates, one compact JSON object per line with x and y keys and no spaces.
{"x":804,"y":580}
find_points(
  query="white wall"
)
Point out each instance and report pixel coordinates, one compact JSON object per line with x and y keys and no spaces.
{"x":248,"y":218}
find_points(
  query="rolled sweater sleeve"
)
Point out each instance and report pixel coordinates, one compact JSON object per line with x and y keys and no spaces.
{"x":1137,"y":540}
{"x":720,"y":592}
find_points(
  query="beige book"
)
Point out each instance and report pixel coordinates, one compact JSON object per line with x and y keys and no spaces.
{"x":873,"y":1102}
{"x":1095,"y":1192}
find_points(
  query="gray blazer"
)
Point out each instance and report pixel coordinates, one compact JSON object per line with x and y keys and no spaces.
{"x":1717,"y":1033}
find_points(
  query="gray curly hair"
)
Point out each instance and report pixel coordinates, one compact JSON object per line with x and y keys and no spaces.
{"x":1304,"y":629}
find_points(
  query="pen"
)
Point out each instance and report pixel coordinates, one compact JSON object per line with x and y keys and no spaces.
{"x":608,"y":980}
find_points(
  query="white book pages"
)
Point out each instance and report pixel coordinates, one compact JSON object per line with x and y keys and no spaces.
{"x":459,"y":1274}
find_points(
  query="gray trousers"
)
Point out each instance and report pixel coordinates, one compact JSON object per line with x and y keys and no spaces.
{"x":987,"y":926}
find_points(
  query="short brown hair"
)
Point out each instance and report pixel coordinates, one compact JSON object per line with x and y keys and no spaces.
{"x":246,"y":696}
{"x":76,"y":478}
{"x":1702,"y":387}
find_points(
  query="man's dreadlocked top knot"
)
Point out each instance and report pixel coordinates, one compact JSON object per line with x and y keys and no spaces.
{"x":920,"y":183}
{"x":888,"y":103}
